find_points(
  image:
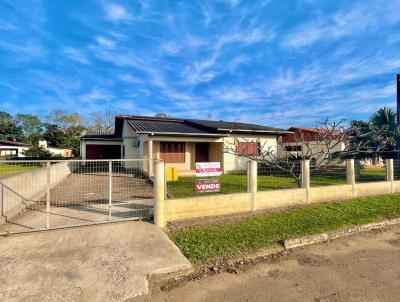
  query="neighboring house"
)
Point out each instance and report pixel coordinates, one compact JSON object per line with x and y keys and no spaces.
{"x":12,"y":149}
{"x":307,"y":141}
{"x":178,"y":142}
{"x":64,"y":152}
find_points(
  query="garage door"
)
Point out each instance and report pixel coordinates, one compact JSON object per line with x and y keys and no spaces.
{"x":103,"y":152}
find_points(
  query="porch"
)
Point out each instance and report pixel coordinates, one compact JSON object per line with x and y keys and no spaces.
{"x":183,"y":153}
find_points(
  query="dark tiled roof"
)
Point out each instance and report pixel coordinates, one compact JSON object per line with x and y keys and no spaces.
{"x":11,"y":143}
{"x":103,"y":135}
{"x":166,"y":126}
{"x":235,"y":126}
{"x":178,"y":126}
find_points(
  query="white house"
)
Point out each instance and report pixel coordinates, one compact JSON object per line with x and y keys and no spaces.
{"x":180,"y":143}
{"x":12,"y":149}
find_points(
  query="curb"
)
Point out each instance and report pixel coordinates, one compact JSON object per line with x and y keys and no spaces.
{"x":324,"y":237}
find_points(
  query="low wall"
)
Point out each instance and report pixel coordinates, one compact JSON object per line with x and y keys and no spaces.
{"x":212,"y":205}
{"x":16,"y":192}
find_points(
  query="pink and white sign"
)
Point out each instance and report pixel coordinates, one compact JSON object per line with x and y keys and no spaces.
{"x":208,"y":169}
{"x":208,"y":185}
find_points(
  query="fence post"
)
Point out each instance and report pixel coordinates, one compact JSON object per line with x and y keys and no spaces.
{"x":109,"y":189}
{"x":305,"y":177}
{"x":159,"y":189}
{"x":252,"y":183}
{"x":48,"y":196}
{"x":1,"y":201}
{"x":351,"y":175}
{"x":390,"y":173}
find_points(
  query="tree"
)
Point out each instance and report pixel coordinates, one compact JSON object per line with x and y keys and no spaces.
{"x":102,"y":121}
{"x":70,"y":124}
{"x":31,"y":127}
{"x":38,"y":152}
{"x":384,"y":118}
{"x":9,"y":130}
{"x":63,"y":119}
{"x":53,"y":135}
{"x":286,"y":155}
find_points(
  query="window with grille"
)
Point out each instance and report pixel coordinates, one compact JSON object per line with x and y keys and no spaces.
{"x":172,"y":152}
{"x":246,"y":148}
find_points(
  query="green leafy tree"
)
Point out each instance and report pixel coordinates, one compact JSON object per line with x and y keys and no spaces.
{"x":31,"y":127}
{"x":53,"y":135}
{"x":9,"y":129}
{"x":38,"y":152}
{"x":71,"y":126}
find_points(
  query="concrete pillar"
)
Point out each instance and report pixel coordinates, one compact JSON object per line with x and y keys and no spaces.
{"x":389,"y":169}
{"x":390,"y":173}
{"x":159,"y":193}
{"x":252,"y":183}
{"x":351,"y":175}
{"x":350,"y":172}
{"x":305,"y":177}
{"x":150,"y":156}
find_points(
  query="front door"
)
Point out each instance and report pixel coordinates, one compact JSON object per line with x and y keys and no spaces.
{"x":201,"y":150}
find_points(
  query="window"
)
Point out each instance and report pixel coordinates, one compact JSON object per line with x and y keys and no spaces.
{"x":293,"y":148}
{"x":249,"y":149}
{"x":172,"y":152}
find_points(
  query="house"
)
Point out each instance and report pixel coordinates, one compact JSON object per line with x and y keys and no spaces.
{"x":311,"y":142}
{"x":12,"y":149}
{"x":64,"y":152}
{"x":180,"y":143}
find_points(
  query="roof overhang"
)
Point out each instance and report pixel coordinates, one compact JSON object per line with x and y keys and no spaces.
{"x":255,"y":131}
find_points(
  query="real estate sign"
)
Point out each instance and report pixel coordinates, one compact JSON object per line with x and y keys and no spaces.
{"x":208,"y":169}
{"x":208,"y":185}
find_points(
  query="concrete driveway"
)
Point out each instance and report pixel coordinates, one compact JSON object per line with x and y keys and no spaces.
{"x":96,"y":263}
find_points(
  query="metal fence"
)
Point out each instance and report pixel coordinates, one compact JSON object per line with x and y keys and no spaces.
{"x":369,"y":173}
{"x":37,"y":195}
{"x":233,"y":179}
{"x":330,"y":173}
{"x":285,"y":176}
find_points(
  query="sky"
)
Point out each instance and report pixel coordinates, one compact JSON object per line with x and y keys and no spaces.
{"x":277,"y":63}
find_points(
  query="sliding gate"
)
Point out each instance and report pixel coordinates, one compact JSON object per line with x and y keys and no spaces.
{"x":40,"y":195}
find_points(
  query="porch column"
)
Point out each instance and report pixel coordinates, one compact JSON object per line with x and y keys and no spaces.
{"x":150,"y":156}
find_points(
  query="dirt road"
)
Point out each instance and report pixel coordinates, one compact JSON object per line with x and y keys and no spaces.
{"x":365,"y":267}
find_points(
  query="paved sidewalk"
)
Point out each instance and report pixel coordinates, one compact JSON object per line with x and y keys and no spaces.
{"x":95,"y":263}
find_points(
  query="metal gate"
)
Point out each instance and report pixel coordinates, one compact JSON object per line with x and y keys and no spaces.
{"x":41,"y":195}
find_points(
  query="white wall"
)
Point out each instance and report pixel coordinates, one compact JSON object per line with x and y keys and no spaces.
{"x":232,"y":162}
{"x":3,"y":151}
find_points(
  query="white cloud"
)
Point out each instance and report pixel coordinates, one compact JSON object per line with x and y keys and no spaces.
{"x":116,"y":12}
{"x":170,"y":48}
{"x":96,"y":94}
{"x":104,"y":42}
{"x":76,"y":55}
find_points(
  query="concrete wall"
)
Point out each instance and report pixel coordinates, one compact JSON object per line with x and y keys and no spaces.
{"x":25,"y":188}
{"x":211,"y":205}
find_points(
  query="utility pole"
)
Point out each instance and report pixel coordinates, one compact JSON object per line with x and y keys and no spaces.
{"x":398,"y":99}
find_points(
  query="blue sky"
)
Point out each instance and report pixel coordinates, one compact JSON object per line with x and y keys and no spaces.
{"x":278,"y":63}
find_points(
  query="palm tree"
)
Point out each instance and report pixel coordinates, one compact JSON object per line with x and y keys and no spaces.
{"x":384,"y":119}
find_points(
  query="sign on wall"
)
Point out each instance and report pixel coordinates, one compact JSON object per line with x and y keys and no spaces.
{"x":208,"y":185}
{"x":208,"y":169}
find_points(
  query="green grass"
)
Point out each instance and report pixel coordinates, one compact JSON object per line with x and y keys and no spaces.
{"x":10,"y":170}
{"x":237,"y":183}
{"x":367,"y":175}
{"x":208,"y":243}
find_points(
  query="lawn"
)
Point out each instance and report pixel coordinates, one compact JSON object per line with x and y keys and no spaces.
{"x":237,"y":183}
{"x":208,"y":243}
{"x":7,"y":170}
